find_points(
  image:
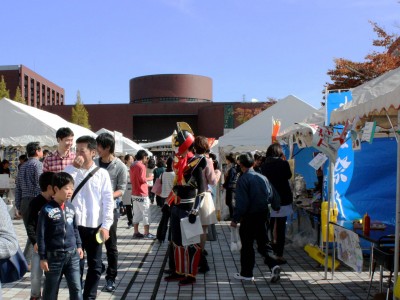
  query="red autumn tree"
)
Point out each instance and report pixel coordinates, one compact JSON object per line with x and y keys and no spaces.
{"x":348,"y":74}
{"x":245,"y":113}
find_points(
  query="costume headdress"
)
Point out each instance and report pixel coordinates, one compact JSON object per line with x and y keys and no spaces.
{"x":183,"y":138}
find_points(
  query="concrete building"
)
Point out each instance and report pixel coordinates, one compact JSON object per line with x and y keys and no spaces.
{"x":35,"y":89}
{"x":157,"y":102}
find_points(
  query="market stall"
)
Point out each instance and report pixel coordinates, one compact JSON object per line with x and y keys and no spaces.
{"x":377,"y":101}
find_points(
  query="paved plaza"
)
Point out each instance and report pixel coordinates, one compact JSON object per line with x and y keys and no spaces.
{"x":142,"y":262}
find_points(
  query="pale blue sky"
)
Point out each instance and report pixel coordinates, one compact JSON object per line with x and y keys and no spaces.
{"x":256,"y":48}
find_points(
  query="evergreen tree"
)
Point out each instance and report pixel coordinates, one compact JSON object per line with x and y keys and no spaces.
{"x":80,"y":115}
{"x":18,"y":96}
{"x":3,"y":89}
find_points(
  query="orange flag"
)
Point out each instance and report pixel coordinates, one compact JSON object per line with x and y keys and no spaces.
{"x":276,"y":125}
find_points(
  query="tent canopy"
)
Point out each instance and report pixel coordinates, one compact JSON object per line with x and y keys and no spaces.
{"x":166,"y":142}
{"x":255,"y":134}
{"x":317,"y":118}
{"x":374,"y":99}
{"x":128,"y":145}
{"x":21,"y":124}
{"x":378,"y":100}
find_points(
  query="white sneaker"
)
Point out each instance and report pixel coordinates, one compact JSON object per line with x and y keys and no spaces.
{"x":240,"y":277}
{"x":275,"y":274}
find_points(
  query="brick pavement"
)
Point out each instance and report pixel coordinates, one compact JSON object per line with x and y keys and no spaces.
{"x":141,"y":265}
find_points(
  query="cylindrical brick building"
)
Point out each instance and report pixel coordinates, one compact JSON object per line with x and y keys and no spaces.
{"x":170,"y":88}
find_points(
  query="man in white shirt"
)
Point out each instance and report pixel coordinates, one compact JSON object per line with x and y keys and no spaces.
{"x":94,"y":204}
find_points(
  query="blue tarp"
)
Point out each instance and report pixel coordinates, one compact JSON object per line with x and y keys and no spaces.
{"x":373,"y":186}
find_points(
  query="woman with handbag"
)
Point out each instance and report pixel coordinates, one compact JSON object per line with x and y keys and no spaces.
{"x":157,"y":175}
{"x":277,"y":170}
{"x":167,"y":182}
{"x":126,"y":198}
{"x":207,"y":208}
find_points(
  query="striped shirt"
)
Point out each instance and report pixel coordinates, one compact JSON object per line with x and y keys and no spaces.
{"x":56,"y":163}
{"x":27,"y":183}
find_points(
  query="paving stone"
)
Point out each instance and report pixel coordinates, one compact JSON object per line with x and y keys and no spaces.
{"x":140,"y":273}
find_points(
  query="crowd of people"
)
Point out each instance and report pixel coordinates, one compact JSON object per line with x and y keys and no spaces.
{"x":70,"y":203}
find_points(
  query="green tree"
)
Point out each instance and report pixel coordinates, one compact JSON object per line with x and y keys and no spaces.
{"x":18,"y":96}
{"x":4,"y":93}
{"x":80,"y":115}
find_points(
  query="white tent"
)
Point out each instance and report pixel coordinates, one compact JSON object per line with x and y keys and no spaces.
{"x":317,"y":118}
{"x":255,"y":134}
{"x":378,"y":100}
{"x":128,"y":146}
{"x":165,"y":143}
{"x":21,"y":124}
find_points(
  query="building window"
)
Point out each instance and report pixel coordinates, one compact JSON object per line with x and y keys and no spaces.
{"x":26,"y":95}
{"x":169,"y":99}
{"x":37,"y":91}
{"x":48,"y":96}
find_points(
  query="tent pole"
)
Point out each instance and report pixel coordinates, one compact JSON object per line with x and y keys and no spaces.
{"x":397,"y":230}
{"x":331,"y":196}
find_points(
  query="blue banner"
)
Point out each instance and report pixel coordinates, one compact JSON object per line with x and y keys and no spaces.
{"x":344,"y":164}
{"x":335,"y":100}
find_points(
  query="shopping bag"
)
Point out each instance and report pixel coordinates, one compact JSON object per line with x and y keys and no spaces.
{"x":157,"y":187}
{"x":236,"y":244}
{"x":190,"y":232}
{"x":13,"y":268}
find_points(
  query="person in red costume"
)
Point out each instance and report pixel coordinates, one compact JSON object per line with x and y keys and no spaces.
{"x":185,"y":200}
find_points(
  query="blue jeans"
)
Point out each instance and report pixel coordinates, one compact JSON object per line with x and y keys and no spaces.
{"x":36,"y":275}
{"x":60,"y":263}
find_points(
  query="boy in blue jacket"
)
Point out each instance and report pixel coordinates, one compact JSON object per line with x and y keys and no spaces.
{"x":59,"y":243}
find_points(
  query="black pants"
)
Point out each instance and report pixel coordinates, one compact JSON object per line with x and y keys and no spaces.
{"x":129,"y":213}
{"x":160,"y":201}
{"x":163,"y":225}
{"x":279,"y":244}
{"x":93,"y":256}
{"x":252,"y":227}
{"x":112,"y":251}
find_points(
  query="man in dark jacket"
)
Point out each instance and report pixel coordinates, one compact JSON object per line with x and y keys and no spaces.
{"x":253,"y":193}
{"x":33,"y":214}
